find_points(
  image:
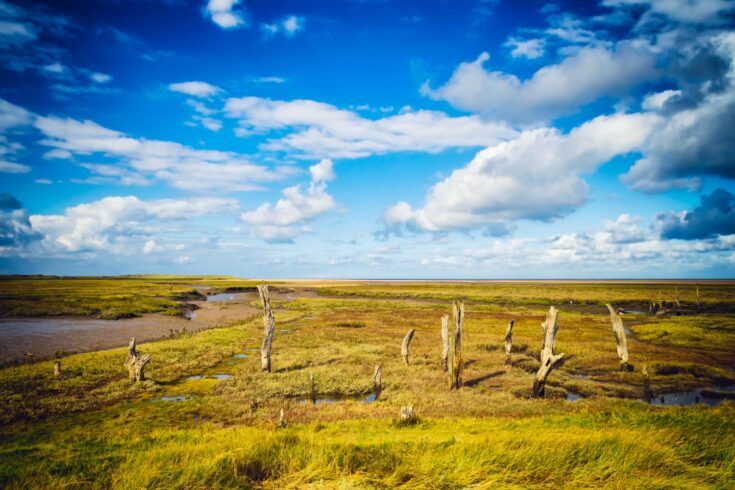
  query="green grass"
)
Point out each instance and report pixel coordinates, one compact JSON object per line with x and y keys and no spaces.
{"x":94,"y":429}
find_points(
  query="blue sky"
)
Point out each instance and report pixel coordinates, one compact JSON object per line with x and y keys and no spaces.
{"x":368,"y":139}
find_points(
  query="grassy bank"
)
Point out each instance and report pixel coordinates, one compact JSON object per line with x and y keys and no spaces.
{"x":93,"y":428}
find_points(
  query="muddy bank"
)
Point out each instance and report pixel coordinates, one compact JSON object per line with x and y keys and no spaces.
{"x":29,"y":339}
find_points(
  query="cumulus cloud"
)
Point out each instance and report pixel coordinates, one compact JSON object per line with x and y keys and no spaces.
{"x":207,"y":171}
{"x":195,"y":88}
{"x":695,"y":141}
{"x":554,"y":90}
{"x":537,"y":176}
{"x":226,"y":14}
{"x":707,"y":12}
{"x":15,"y":228}
{"x":526,"y":48}
{"x":289,"y":26}
{"x":714,"y":216}
{"x":322,"y":130}
{"x":110,"y":224}
{"x":12,"y":116}
{"x":287,"y":219}
{"x":13,"y":168}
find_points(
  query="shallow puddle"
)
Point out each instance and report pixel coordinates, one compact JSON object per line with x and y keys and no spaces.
{"x":221,"y":297}
{"x":220,"y":376}
{"x":240,"y":356}
{"x":711,"y":396}
{"x":176,"y":398}
{"x":193,"y":378}
{"x":572,"y":396}
{"x":372,"y":397}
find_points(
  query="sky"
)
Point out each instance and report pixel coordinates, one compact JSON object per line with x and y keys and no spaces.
{"x":434,"y":139}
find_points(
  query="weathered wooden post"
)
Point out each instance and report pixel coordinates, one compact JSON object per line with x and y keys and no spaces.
{"x":312,"y":388}
{"x":620,"y":339}
{"x":377,"y":380}
{"x":282,"y":419}
{"x":697,"y":298}
{"x":647,"y":393}
{"x":57,"y":369}
{"x":405,"y":345}
{"x":408,"y":415}
{"x":135,"y":362}
{"x":445,"y":341}
{"x":509,"y":341}
{"x":455,"y":346}
{"x":269,"y":327}
{"x":548,"y":359}
{"x":677,"y":305}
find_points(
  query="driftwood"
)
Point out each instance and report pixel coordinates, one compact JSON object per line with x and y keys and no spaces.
{"x":312,"y":388}
{"x":269,"y":327}
{"x":455,"y":346}
{"x":548,"y":358}
{"x":620,"y":339}
{"x":377,"y":380}
{"x":647,"y":393}
{"x":445,"y":341}
{"x":509,"y":341}
{"x":408,"y":415}
{"x":406,"y":344}
{"x":57,"y":368}
{"x":135,"y":362}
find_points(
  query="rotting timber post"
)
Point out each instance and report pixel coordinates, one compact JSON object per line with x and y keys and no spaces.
{"x":620,"y":338}
{"x":509,"y":341}
{"x":548,"y":358}
{"x":445,"y":342}
{"x":405,"y":345}
{"x":136,"y":362}
{"x":455,"y":346}
{"x":269,"y":327}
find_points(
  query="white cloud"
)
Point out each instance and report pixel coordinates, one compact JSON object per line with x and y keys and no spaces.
{"x":225,"y":14}
{"x":271,"y":79}
{"x":322,"y":171}
{"x":708,"y":12}
{"x":195,"y":88}
{"x":289,"y":26}
{"x":43,"y":181}
{"x":100,"y":77}
{"x":656,"y":101}
{"x":183,"y":167}
{"x":112,"y":223}
{"x":12,"y":116}
{"x":322,"y":130}
{"x":55,"y":68}
{"x":554,"y":90}
{"x":526,"y":48}
{"x":286,"y":220}
{"x":537,"y":176}
{"x":13,"y":168}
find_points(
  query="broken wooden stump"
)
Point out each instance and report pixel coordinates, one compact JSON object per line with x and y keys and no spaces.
{"x":445,"y":341}
{"x":408,"y":415}
{"x":405,"y":345}
{"x":454,"y":357}
{"x":282,"y":419}
{"x":647,"y":393}
{"x":57,"y":369}
{"x":135,"y":362}
{"x":269,"y":327}
{"x":312,"y":388}
{"x":548,"y":358}
{"x":509,"y":341}
{"x":377,"y":380}
{"x":620,"y":338}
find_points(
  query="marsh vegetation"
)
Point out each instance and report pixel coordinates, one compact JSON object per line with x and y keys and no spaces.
{"x":207,"y":415}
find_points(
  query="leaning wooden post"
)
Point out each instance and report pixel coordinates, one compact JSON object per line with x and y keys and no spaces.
{"x":135,"y":362}
{"x":548,"y":359}
{"x":455,"y":346}
{"x":647,"y":393}
{"x":312,"y":388}
{"x":445,"y":341}
{"x":620,"y":339}
{"x":377,"y":380}
{"x":405,"y":345}
{"x":57,"y":369}
{"x":269,"y":327}
{"x":509,"y":341}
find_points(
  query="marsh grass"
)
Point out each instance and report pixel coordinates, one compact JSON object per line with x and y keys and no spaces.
{"x":93,"y":428}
